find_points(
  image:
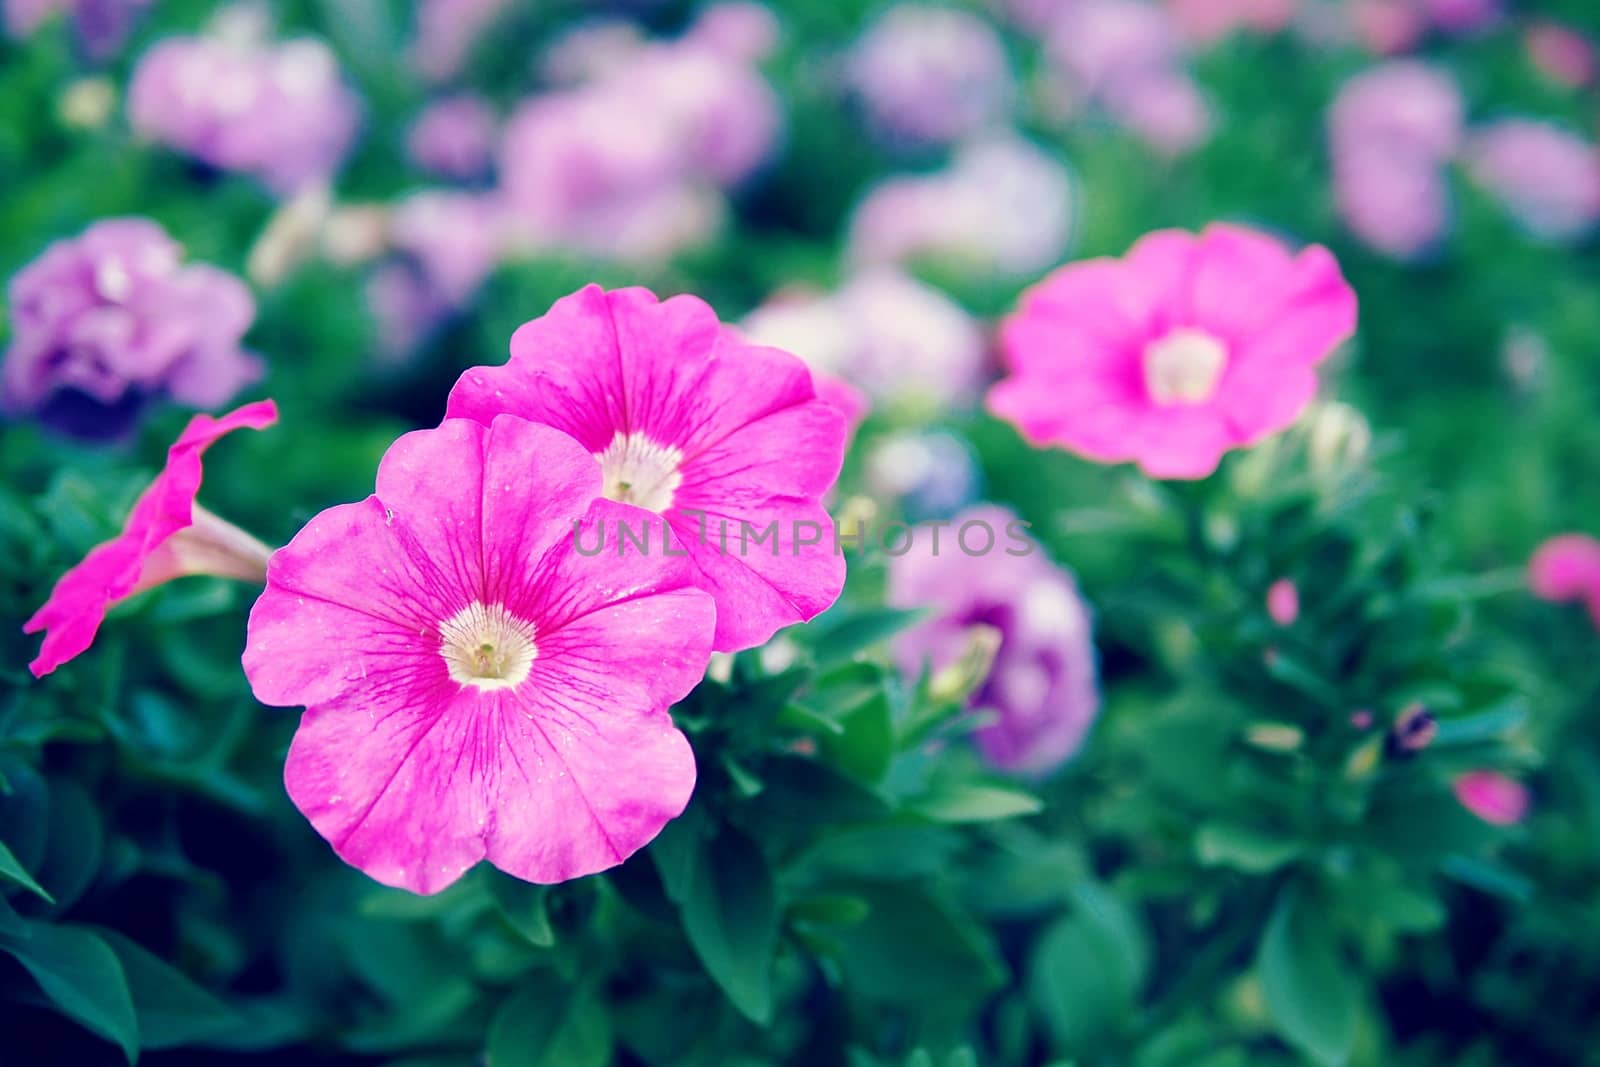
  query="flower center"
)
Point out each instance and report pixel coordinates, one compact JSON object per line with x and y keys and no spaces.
{"x":487,"y":646}
{"x":1183,"y":367}
{"x":639,"y":471}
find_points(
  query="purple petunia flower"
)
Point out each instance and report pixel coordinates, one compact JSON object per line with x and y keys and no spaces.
{"x":104,"y":321}
{"x":986,"y":572}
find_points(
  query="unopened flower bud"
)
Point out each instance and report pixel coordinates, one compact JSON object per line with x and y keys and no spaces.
{"x":1337,"y":436}
{"x":87,"y":103}
{"x":1283,"y":602}
{"x":962,"y":678}
{"x":1275,"y":736}
{"x":1414,"y":730}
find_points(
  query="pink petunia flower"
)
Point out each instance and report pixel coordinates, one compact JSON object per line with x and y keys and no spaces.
{"x":1567,"y":567}
{"x":475,"y":685}
{"x":1561,"y":53}
{"x":167,"y":536}
{"x":1493,"y":797}
{"x":1187,"y":347}
{"x":728,"y":441}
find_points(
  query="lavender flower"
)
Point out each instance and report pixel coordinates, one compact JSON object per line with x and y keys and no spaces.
{"x":1548,"y":178}
{"x":105,"y":321}
{"x":279,"y":112}
{"x":1042,"y":689}
{"x":1002,"y":206}
{"x":931,"y":75}
{"x":454,"y":137}
{"x":100,"y":25}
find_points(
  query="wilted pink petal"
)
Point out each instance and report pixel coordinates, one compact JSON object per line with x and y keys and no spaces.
{"x":1187,"y":347}
{"x":166,"y":535}
{"x":1493,"y":797}
{"x":474,"y":685}
{"x":727,"y":440}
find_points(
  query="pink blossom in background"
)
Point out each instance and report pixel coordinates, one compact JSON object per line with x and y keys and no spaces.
{"x":1206,"y":21}
{"x":1128,"y":58}
{"x":1493,"y":797}
{"x":448,"y":30}
{"x":1283,"y":602}
{"x":446,"y":242}
{"x":1042,"y":689}
{"x":456,"y":238}
{"x":1462,"y":16}
{"x":1549,"y":179}
{"x":455,"y":137}
{"x":474,"y":686}
{"x":1395,"y":205}
{"x":892,"y":335}
{"x":1567,"y":568}
{"x":1561,"y":53}
{"x":103,"y":322}
{"x":634,"y":162}
{"x":1392,"y":130}
{"x":1003,"y":206}
{"x":167,"y":535}
{"x":686,"y":420}
{"x":738,"y":29}
{"x":1404,"y":106}
{"x":279,"y":111}
{"x":1387,"y":27}
{"x":1187,"y":347}
{"x":931,"y":75}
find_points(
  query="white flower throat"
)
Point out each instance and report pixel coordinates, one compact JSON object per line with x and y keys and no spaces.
{"x":486,"y":646}
{"x":637,"y":470}
{"x":1184,"y":366}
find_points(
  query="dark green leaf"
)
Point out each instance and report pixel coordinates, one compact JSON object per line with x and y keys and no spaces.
{"x":82,"y":977}
{"x":1309,"y":990}
{"x":730,"y":912}
{"x":1244,"y":848}
{"x":13,"y":871}
{"x":545,"y":1024}
{"x":963,"y":803}
{"x":172,"y":1010}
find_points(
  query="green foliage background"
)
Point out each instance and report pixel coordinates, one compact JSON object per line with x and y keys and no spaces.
{"x":1229,"y":875}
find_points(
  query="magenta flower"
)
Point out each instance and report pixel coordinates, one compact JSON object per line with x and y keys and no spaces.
{"x":1206,"y":21}
{"x":167,"y":536}
{"x":931,"y":75}
{"x":1492,"y":797}
{"x":279,"y":112}
{"x":447,"y":32}
{"x":1184,"y":349}
{"x":1549,"y":179}
{"x":476,"y":687}
{"x":454,"y":137}
{"x":1567,"y":568}
{"x":984,"y":571}
{"x":109,"y":319}
{"x":728,"y":441}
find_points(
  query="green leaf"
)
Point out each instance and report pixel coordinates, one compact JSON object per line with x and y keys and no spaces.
{"x":1485,"y":725}
{"x":82,"y":977}
{"x":525,"y":907}
{"x":1309,"y":991}
{"x":917,"y":951}
{"x":866,"y":742}
{"x":975,"y":803}
{"x":730,"y":912}
{"x":1088,"y":969}
{"x":1244,"y":848}
{"x":840,"y":641}
{"x":13,"y":871}
{"x":544,"y":1024}
{"x":172,"y":1010}
{"x":73,"y":844}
